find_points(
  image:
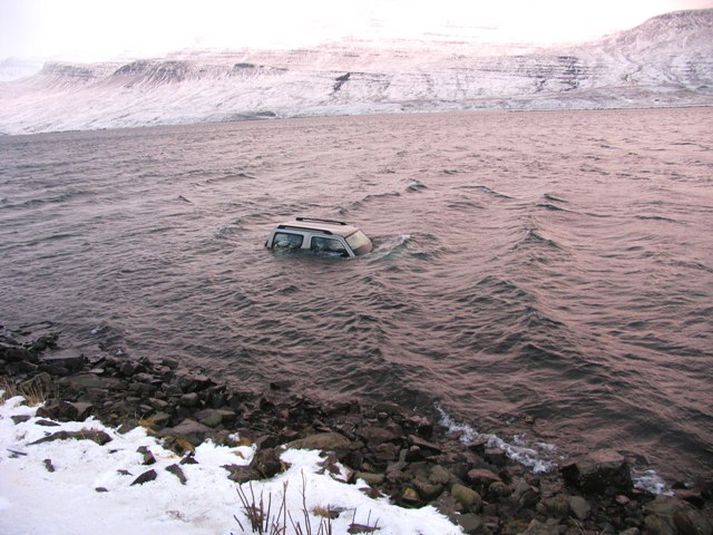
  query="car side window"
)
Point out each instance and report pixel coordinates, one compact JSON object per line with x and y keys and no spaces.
{"x":328,"y":246}
{"x":285,"y":240}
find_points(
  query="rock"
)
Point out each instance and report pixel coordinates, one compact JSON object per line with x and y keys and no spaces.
{"x":375,"y":435}
{"x":18,"y":354}
{"x":100,"y":437}
{"x":178,"y":472}
{"x":46,"y":341}
{"x":148,"y":457}
{"x":426,"y":490}
{"x":169,"y":362}
{"x":670,"y":515}
{"x":83,"y":382}
{"x":499,"y":489}
{"x":20,"y":418}
{"x":158,"y":420}
{"x":321,"y":441}
{"x":189,"y":430}
{"x":48,"y":465}
{"x":241,"y":473}
{"x":470,"y":523}
{"x":46,"y":423}
{"x":267,"y":463}
{"x":71,"y":360}
{"x":482,"y":476}
{"x":556,"y":506}
{"x":601,"y":470}
{"x":215,"y":417}
{"x":428,"y":447}
{"x":467,"y":497}
{"x":495,"y":456}
{"x":630,"y":531}
{"x":370,"y":478}
{"x":190,"y":400}
{"x":551,"y":527}
{"x":147,"y":476}
{"x":410,"y":497}
{"x":580,"y":507}
{"x":439,"y":475}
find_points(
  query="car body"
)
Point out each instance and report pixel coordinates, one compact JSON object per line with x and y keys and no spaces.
{"x":324,"y":237}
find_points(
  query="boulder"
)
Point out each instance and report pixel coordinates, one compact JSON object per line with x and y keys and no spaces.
{"x":579,"y":507}
{"x":670,"y":515}
{"x":469,"y":499}
{"x":189,"y":430}
{"x":65,"y":411}
{"x":321,"y":441}
{"x":72,"y":360}
{"x":603,"y":469}
{"x":17,"y":354}
{"x":100,"y":437}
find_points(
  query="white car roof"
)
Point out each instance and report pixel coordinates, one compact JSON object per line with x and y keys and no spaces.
{"x":324,"y":225}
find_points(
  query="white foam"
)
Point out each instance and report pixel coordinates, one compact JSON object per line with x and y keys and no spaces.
{"x":648,"y":480}
{"x":533,"y":456}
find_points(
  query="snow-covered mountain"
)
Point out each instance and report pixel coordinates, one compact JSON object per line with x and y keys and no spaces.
{"x":667,"y":61}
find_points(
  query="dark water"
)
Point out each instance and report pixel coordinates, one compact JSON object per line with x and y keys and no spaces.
{"x":549,"y":266}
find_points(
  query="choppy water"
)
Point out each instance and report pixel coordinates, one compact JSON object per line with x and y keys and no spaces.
{"x":555,"y":267}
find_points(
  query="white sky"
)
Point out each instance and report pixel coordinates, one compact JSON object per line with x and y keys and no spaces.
{"x":92,"y":30}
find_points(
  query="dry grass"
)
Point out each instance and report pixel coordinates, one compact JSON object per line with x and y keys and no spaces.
{"x":264,"y":520}
{"x":33,"y":392}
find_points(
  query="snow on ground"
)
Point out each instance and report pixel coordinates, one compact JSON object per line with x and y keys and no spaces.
{"x":34,"y":500}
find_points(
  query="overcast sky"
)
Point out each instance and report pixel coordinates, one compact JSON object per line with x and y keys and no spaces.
{"x":90,"y":30}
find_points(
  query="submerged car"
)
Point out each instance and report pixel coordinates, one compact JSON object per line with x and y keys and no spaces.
{"x":321,"y":236}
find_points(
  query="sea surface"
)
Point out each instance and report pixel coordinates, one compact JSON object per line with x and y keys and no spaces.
{"x":543,"y":276}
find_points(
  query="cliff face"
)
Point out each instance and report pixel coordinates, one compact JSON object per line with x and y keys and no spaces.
{"x":668,"y":60}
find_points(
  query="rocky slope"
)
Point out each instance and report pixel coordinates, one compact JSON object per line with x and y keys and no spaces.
{"x":664,"y":62}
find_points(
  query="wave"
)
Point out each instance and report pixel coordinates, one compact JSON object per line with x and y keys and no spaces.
{"x":538,"y":457}
{"x":487,"y":190}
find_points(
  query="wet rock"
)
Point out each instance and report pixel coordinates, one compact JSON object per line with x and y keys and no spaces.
{"x":670,"y":515}
{"x":495,"y":456}
{"x":100,"y":437}
{"x":147,"y":476}
{"x":579,"y":507}
{"x":71,"y":360}
{"x":169,"y":362}
{"x":469,"y":499}
{"x":178,"y":472}
{"x":321,"y":441}
{"x":601,"y":470}
{"x":44,"y":342}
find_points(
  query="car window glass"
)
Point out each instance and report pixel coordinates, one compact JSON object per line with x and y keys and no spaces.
{"x":328,"y":246}
{"x":284,"y":240}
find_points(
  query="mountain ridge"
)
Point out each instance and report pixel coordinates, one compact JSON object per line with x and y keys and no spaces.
{"x":665,"y":61}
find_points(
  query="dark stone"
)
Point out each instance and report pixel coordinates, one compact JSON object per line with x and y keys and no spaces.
{"x":190,"y":400}
{"x":178,"y":472}
{"x":86,"y":381}
{"x":470,"y":523}
{"x":321,"y":441}
{"x":48,"y":465}
{"x":65,"y":411}
{"x":46,"y":341}
{"x":189,"y":430}
{"x":241,"y":473}
{"x":101,"y":489}
{"x":215,"y":417}
{"x":148,"y":457}
{"x":17,"y":354}
{"x":189,"y":458}
{"x":425,"y":445}
{"x":267,"y":463}
{"x":147,"y":476}
{"x":482,"y":476}
{"x":100,"y":437}
{"x":20,"y":418}
{"x":375,"y":435}
{"x":496,"y":456}
{"x":601,"y":470}
{"x":39,"y":384}
{"x":47,"y":423}
{"x":169,"y":362}
{"x":72,"y":360}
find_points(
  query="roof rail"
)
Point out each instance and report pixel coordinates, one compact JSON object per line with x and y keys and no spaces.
{"x":295,"y":227}
{"x":321,"y":220}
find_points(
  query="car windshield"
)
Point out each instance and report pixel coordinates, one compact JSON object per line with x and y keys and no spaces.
{"x":359,"y":242}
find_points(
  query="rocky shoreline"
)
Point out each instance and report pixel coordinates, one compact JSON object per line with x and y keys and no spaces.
{"x":400,"y":454}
